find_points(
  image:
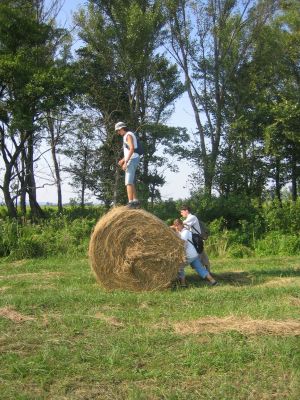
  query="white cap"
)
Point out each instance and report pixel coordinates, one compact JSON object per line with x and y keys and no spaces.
{"x":120,"y":125}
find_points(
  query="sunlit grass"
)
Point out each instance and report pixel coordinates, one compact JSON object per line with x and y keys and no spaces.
{"x":80,"y":342}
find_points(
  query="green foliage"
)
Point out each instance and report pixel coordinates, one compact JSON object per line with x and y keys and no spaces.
{"x":125,"y":77}
{"x":166,"y":210}
{"x":225,"y":243}
{"x":238,"y":250}
{"x":241,"y":227}
{"x":279,"y":244}
{"x":34,"y":81}
{"x":58,"y":235}
{"x":8,"y":236}
{"x":231,"y":209}
{"x":272,"y":229}
{"x":283,"y":217}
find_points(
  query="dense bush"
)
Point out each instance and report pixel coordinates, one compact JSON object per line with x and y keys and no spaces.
{"x":232,"y":209}
{"x":239,"y":228}
{"x":50,"y":237}
{"x":277,"y":243}
{"x":283,"y":217}
{"x":166,"y":210}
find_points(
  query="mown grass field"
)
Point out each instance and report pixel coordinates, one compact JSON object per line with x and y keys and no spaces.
{"x":63,"y":337}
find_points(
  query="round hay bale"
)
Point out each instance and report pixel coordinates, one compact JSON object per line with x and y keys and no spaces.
{"x":132,"y":249}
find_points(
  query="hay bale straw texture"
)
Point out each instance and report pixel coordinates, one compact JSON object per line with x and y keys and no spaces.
{"x":132,"y":249}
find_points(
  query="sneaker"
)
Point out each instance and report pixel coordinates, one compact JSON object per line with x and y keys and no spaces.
{"x":136,"y":204}
{"x":214,"y":283}
{"x":183,"y":286}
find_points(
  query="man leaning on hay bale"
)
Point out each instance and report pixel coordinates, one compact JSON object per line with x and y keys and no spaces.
{"x":192,"y":256}
{"x":191,"y":222}
{"x":129,"y":162}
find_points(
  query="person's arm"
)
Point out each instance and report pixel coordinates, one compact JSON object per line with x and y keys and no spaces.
{"x":131,"y":151}
{"x":121,"y":162}
{"x":184,"y":235}
{"x":189,"y":221}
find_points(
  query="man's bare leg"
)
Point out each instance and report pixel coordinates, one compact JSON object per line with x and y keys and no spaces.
{"x":130,"y":192}
{"x":134,"y":197}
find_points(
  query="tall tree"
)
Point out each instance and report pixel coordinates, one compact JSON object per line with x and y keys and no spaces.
{"x":266,"y":98}
{"x":80,"y":145}
{"x":125,"y":76}
{"x":28,"y":78}
{"x":282,"y":132}
{"x":210,"y":40}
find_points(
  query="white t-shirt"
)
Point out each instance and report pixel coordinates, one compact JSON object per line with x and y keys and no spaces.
{"x":125,"y":148}
{"x":192,"y":223}
{"x":190,"y":250}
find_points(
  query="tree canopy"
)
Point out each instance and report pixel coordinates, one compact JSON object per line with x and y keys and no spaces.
{"x":237,"y":60}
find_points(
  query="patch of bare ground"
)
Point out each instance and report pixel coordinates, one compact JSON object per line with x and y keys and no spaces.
{"x":43,"y":287}
{"x":109,"y":320}
{"x":278,"y":282}
{"x":144,"y":305}
{"x":18,"y":263}
{"x":32,"y":275}
{"x":13,"y":315}
{"x":243,"y":325}
{"x":295,"y":301}
{"x":80,"y":390}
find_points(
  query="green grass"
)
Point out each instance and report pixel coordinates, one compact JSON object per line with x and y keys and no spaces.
{"x":86,"y":343}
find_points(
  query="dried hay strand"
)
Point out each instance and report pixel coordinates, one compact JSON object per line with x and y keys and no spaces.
{"x":13,"y":315}
{"x":134,"y":250}
{"x":243,"y":325}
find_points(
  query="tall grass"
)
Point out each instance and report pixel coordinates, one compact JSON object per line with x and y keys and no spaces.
{"x":49,"y":237}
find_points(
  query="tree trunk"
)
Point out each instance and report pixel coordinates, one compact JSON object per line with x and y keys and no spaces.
{"x":10,"y":161}
{"x":152,"y":195}
{"x":36,"y":210}
{"x":57,"y":176}
{"x":277,"y":180}
{"x":11,"y":209}
{"x":83,"y":180}
{"x":22,"y":178}
{"x":294,"y":172}
{"x":53,"y":142}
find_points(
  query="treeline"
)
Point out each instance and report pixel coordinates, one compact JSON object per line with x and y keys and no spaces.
{"x":238,"y":228}
{"x":238,"y":61}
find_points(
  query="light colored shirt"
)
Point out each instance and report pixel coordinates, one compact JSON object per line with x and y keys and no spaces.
{"x":190,"y":250}
{"x":126,"y":148}
{"x":192,"y":223}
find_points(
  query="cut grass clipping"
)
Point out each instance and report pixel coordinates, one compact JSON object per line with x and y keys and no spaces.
{"x":243,"y":325}
{"x":133,"y":250}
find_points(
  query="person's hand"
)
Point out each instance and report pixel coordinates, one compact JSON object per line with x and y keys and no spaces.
{"x":124,"y":166}
{"x":121,"y":162}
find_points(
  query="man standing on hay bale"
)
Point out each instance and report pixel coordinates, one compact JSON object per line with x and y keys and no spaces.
{"x":129,"y":162}
{"x":192,"y":223}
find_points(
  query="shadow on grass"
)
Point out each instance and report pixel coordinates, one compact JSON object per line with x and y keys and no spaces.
{"x":245,"y":278}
